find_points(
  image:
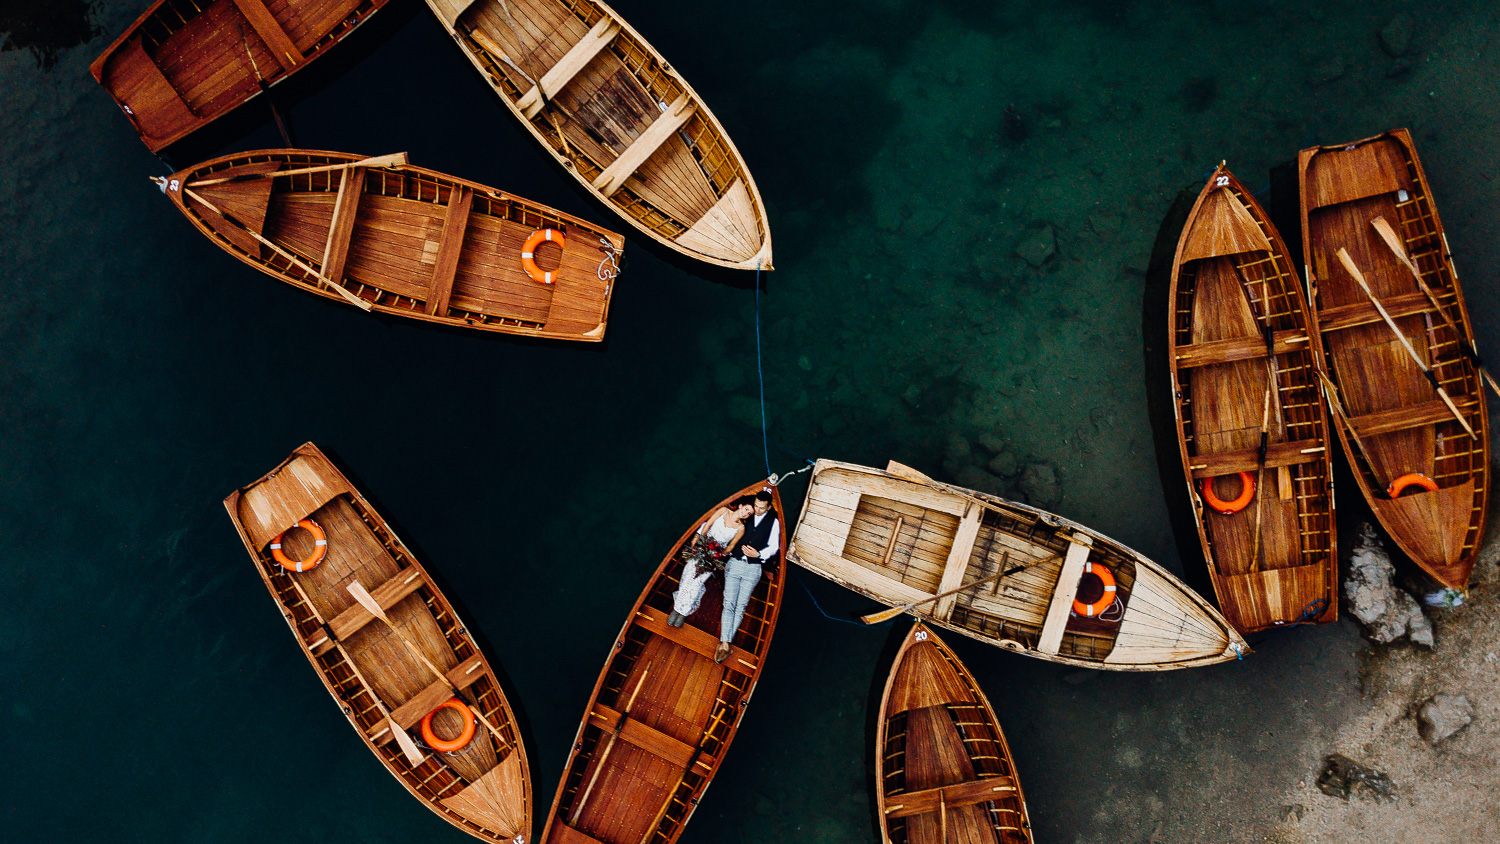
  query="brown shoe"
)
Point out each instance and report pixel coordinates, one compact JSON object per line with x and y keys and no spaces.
{"x":722,"y":653}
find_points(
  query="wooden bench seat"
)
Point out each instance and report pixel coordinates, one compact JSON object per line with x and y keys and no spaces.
{"x":1247,"y":459}
{"x":341,"y":227}
{"x":1050,"y":641}
{"x":1340,"y":317}
{"x":408,"y":714}
{"x":445,"y":268}
{"x":646,"y":737}
{"x":561,"y":833}
{"x":1409,"y":416}
{"x":613,"y":178}
{"x":950,"y":796}
{"x":346,"y":623}
{"x":698,"y":641}
{"x":1238,"y":348}
{"x":567,"y":67}
{"x":270,"y":31}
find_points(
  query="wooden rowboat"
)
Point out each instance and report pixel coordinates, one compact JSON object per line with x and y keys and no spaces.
{"x":378,"y":678}
{"x":663,"y":713}
{"x":943,"y":769}
{"x":185,"y":63}
{"x":620,"y":119}
{"x":1397,"y":423}
{"x":1238,"y":316}
{"x":898,"y":536}
{"x":402,"y":240}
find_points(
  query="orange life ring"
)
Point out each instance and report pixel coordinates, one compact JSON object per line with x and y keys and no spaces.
{"x":528,"y":254}
{"x":1105,"y":600}
{"x":1400,"y":484}
{"x":448,"y":746}
{"x":320,"y":541}
{"x":1247,"y":492}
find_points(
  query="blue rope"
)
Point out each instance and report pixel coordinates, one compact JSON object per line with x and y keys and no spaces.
{"x":820,"y":609}
{"x":765,"y":438}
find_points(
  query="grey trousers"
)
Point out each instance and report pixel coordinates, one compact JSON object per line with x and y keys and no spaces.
{"x":740,"y":577}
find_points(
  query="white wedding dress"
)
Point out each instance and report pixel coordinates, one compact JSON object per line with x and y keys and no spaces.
{"x":692,"y":586}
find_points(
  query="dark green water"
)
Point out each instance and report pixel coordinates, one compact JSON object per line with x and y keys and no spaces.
{"x":151,"y":691}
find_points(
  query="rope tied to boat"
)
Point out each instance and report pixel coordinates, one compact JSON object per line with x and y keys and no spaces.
{"x":765,"y":437}
{"x":609,"y":267}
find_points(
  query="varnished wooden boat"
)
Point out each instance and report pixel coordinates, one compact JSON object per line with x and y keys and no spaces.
{"x":620,"y":119}
{"x":483,"y":788}
{"x":898,"y":537}
{"x":944,"y":773}
{"x":403,"y":240}
{"x":663,"y":713}
{"x":1399,"y":423}
{"x":185,"y":63}
{"x":1274,"y":561}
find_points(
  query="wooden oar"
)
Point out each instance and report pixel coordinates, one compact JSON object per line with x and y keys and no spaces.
{"x":692,"y":760}
{"x":366,"y":600}
{"x":613,"y":737}
{"x":266,"y":89}
{"x":395,"y":159}
{"x":1417,"y":359}
{"x":884,"y":615}
{"x":338,"y":288}
{"x":908,"y":473}
{"x":1332,"y":393}
{"x":403,"y":739}
{"x":1260,"y":478}
{"x":1471,"y":350}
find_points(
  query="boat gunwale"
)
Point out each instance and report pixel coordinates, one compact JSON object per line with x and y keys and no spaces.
{"x":1315,"y":346}
{"x":262,"y":564}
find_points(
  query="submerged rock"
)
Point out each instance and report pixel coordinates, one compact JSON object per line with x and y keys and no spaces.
{"x":1343,"y":776}
{"x":1395,"y":36}
{"x":991,"y":443}
{"x":957,"y":448}
{"x":1004,"y":464}
{"x":1041,"y":486}
{"x":1386,"y":612}
{"x":728,"y":377}
{"x":1038,"y":246}
{"x":745,"y":410}
{"x":974,"y":477}
{"x":1328,"y":70}
{"x":1443,"y":715}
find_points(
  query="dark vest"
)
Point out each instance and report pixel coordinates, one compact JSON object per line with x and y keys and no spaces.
{"x":756,"y":536}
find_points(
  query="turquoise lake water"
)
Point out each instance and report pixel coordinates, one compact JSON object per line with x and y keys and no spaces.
{"x":153,"y":693}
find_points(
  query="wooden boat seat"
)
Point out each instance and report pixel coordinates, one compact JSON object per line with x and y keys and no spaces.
{"x":348,"y":622}
{"x":1248,"y":459}
{"x":613,"y":178}
{"x":1340,"y":317}
{"x":1275,"y":595}
{"x":449,"y":10}
{"x":561,"y":833}
{"x":270,"y":31}
{"x":445,"y":267}
{"x":644,"y":736}
{"x":463,"y":675}
{"x":958,"y":559}
{"x":1050,"y":641}
{"x":952,"y":796}
{"x":698,"y":641}
{"x":1344,"y":175}
{"x":341,"y":227}
{"x":1409,"y":416}
{"x":573,"y":61}
{"x":158,"y":109}
{"x":1238,"y":348}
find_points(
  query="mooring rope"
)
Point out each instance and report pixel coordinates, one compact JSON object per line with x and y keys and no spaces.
{"x":765,"y":437}
{"x":819,"y":608}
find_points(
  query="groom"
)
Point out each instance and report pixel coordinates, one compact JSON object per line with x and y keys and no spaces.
{"x":755,"y":553}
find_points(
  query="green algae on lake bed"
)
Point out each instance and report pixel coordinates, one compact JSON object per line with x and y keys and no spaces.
{"x":146,"y":375}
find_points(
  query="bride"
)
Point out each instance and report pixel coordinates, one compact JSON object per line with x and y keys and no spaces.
{"x":724,"y":528}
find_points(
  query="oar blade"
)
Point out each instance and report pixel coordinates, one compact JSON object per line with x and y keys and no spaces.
{"x":884,"y":615}
{"x":366,"y":600}
{"x":395,"y":159}
{"x":408,"y":747}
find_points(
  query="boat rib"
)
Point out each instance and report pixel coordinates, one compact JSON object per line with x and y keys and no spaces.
{"x":663,"y":713}
{"x":898,"y":536}
{"x":483,"y":788}
{"x":403,"y":240}
{"x":185,"y":63}
{"x":1400,"y":425}
{"x":620,"y":119}
{"x":1274,"y":561}
{"x":943,"y":770}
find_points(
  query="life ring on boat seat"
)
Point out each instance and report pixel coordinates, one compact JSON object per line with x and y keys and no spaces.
{"x":1400,"y":484}
{"x":1105,"y":600}
{"x":1247,"y":492}
{"x":320,"y":549}
{"x":528,"y":254}
{"x":449,"y":745}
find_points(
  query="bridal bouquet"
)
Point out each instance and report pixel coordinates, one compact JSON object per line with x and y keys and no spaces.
{"x":706,"y":555}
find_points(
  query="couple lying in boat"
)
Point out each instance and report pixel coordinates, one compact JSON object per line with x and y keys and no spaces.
{"x":740,"y":540}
